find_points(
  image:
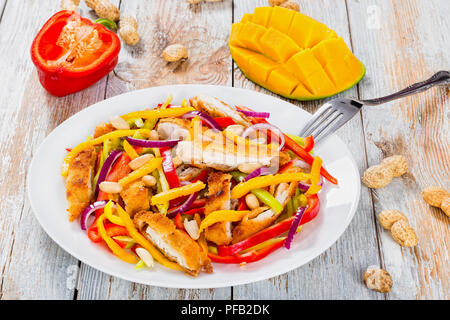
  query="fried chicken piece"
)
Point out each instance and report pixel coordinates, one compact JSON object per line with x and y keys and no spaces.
{"x":176,"y":244}
{"x":102,"y":129}
{"x":135,"y":196}
{"x":79,"y":190}
{"x":219,"y":195}
{"x":216,"y":108}
{"x":257,"y":222}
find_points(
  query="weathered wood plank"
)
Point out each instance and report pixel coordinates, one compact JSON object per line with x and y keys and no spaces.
{"x":203,"y":29}
{"x":337,"y":273}
{"x":32,"y":265}
{"x":404,"y":42}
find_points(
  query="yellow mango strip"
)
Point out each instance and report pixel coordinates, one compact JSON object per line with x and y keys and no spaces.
{"x":222,"y":215}
{"x":174,"y":193}
{"x":151,"y":165}
{"x":108,"y":212}
{"x":315,"y":176}
{"x":139,"y":238}
{"x":130,"y":150}
{"x":115,"y":248}
{"x":84,"y":145}
{"x":243,"y":188}
{"x":157,"y":113}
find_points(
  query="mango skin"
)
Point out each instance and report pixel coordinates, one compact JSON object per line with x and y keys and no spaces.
{"x":333,"y":61}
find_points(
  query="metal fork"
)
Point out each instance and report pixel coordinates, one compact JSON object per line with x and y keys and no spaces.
{"x":333,"y":114}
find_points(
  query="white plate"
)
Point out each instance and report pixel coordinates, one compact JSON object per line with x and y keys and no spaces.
{"x":47,"y":192}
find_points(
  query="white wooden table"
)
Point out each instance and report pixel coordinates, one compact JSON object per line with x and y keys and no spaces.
{"x":400,"y":42}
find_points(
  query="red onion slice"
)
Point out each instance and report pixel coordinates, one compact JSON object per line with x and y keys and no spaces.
{"x":184,"y":207}
{"x":110,"y":159}
{"x":263,"y":171}
{"x":152,"y":143}
{"x":255,"y":114}
{"x":294,"y":226}
{"x":305,"y":186}
{"x":89,"y":210}
{"x":208,"y":119}
{"x":265,"y":126}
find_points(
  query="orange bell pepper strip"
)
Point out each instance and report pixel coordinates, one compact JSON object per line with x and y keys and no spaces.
{"x":315,"y":173}
{"x":158,"y":113}
{"x":84,"y":145}
{"x":115,"y":248}
{"x":130,"y":150}
{"x":164,"y":197}
{"x":151,"y":165}
{"x":309,"y":143}
{"x":222,"y":215}
{"x":243,"y":188}
{"x":141,"y":240}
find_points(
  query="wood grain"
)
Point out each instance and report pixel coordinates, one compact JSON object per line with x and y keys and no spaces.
{"x":416,"y":127}
{"x":357,"y":248}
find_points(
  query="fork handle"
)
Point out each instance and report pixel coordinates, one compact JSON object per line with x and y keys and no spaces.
{"x":440,"y":78}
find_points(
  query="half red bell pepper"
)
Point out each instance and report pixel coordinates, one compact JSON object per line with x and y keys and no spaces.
{"x":71,"y":53}
{"x":272,"y":231}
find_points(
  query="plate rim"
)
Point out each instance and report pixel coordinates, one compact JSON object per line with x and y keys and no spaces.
{"x":154,"y":282}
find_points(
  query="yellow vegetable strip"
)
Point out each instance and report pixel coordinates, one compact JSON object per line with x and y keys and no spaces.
{"x":110,"y":216}
{"x":243,"y":188}
{"x":130,"y":150}
{"x":174,"y":193}
{"x":157,"y":113}
{"x":264,"y":244}
{"x":115,"y":248}
{"x":249,"y":143}
{"x":139,"y":238}
{"x":222,"y":215}
{"x":84,"y":145}
{"x":151,"y":165}
{"x":315,"y":176}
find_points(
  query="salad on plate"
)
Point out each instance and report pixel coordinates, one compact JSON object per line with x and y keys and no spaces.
{"x":193,"y":185}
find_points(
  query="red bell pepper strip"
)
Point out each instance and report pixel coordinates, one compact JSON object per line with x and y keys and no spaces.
{"x":71,"y":53}
{"x":193,"y":211}
{"x":224,"y":121}
{"x":112,"y":230}
{"x":242,"y":206}
{"x":309,"y":143}
{"x":252,"y":256}
{"x":179,"y":222}
{"x":286,"y":167}
{"x":272,"y":231}
{"x":292,"y":145}
{"x":169,"y":168}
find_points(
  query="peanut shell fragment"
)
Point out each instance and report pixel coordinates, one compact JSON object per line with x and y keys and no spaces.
{"x":388,"y":217}
{"x":404,"y":234}
{"x":378,"y":279}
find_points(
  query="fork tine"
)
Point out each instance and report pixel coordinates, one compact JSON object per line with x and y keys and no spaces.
{"x":332,"y":128}
{"x":326,"y":123}
{"x":319,"y":121}
{"x":319,"y":113}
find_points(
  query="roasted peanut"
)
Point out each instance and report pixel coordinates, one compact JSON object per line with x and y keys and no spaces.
{"x":445,"y":206}
{"x":154,"y":135}
{"x":149,"y":181}
{"x":128,"y":30}
{"x":252,"y":201}
{"x":119,"y":123}
{"x":140,"y":161}
{"x":404,"y":234}
{"x":274,"y":3}
{"x":110,"y":187}
{"x":145,"y":256}
{"x":248,"y":167}
{"x":290,"y":5}
{"x":434,"y":195}
{"x":175,"y":52}
{"x":104,"y":9}
{"x":388,"y":217}
{"x":191,"y":227}
{"x":378,"y":279}
{"x":71,"y":5}
{"x":380,"y":175}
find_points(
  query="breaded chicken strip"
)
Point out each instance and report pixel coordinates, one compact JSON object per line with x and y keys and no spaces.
{"x":176,"y":244}
{"x":218,"y":198}
{"x":102,"y":129}
{"x":250,"y":225}
{"x":135,"y":196}
{"x":79,"y":182}
{"x":216,"y":108}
